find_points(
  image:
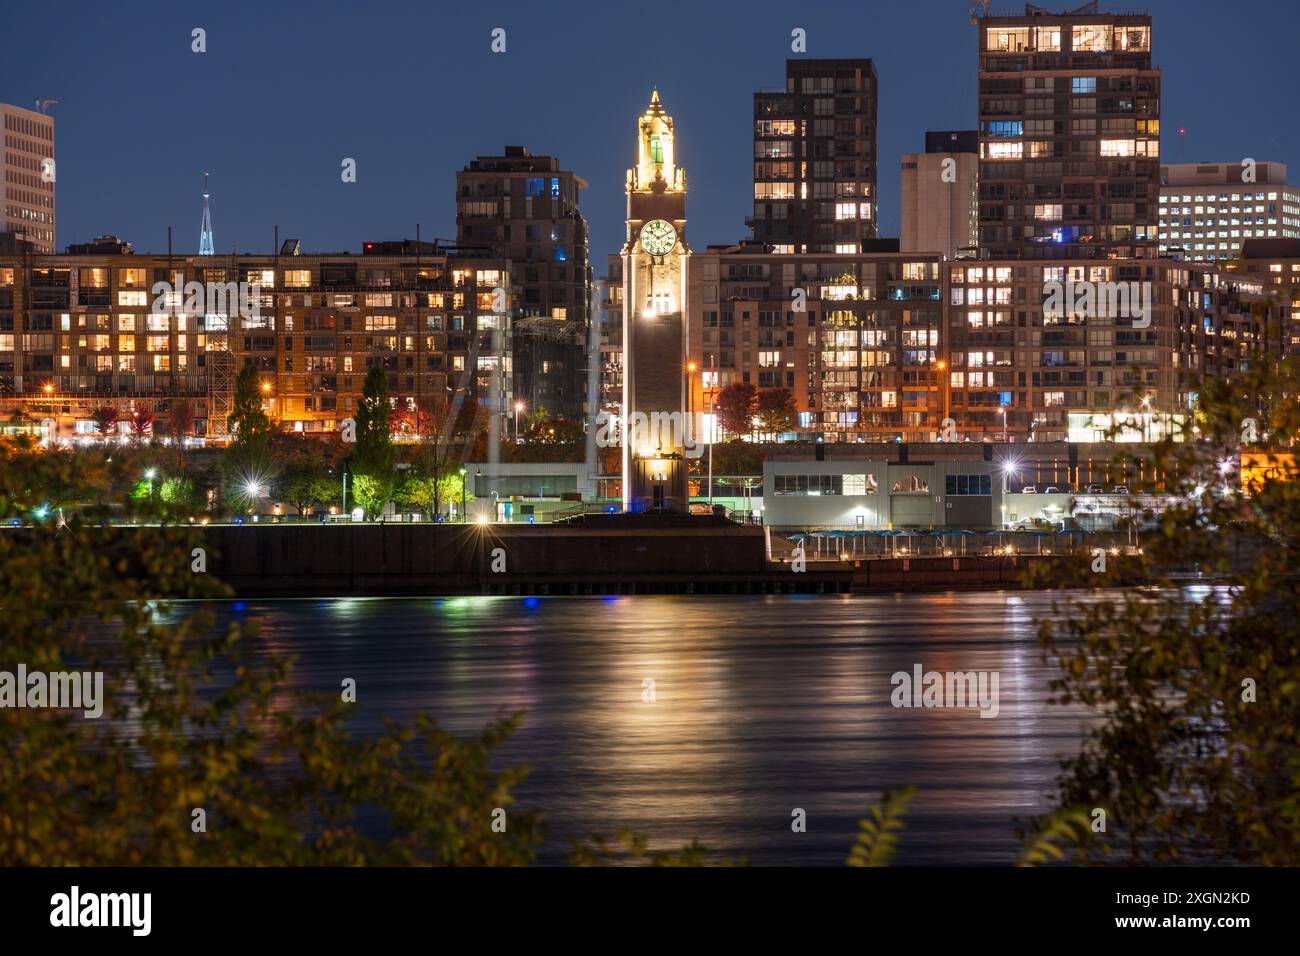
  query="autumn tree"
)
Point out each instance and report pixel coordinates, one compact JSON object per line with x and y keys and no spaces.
{"x":106,"y":418}
{"x":141,"y":423}
{"x":180,"y":418}
{"x":735,"y":407}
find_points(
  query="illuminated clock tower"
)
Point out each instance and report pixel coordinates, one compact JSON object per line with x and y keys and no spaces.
{"x":655,"y":322}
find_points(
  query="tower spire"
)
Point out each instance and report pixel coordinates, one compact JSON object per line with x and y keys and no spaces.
{"x":205,"y":234}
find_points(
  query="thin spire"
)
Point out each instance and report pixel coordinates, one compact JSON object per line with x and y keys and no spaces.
{"x":206,"y":247}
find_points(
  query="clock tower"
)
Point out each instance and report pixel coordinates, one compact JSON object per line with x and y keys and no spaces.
{"x":655,"y":431}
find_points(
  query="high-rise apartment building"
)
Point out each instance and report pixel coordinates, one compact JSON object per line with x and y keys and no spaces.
{"x":525,"y":208}
{"x":815,"y":158}
{"x":81,"y":331}
{"x":30,"y":173}
{"x":891,"y":344}
{"x":940,"y":195}
{"x":1275,"y":263}
{"x":1069,"y":128}
{"x":1208,"y":210}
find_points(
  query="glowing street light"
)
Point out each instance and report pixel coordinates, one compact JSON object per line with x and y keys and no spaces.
{"x":254,"y":491}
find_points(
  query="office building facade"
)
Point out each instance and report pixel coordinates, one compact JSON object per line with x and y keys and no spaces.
{"x":1208,"y":210}
{"x":30,"y":173}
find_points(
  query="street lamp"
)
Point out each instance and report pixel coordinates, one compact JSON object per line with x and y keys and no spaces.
{"x":254,"y":491}
{"x":943,"y":370}
{"x":149,"y":475}
{"x":713,"y":427}
{"x":462,"y":495}
{"x":519,"y":407}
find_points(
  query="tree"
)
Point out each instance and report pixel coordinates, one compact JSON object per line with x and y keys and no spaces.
{"x":1194,"y":753}
{"x":278,"y":776}
{"x":302,"y":472}
{"x":432,"y":478}
{"x":246,"y":467}
{"x":550,"y":439}
{"x":141,"y":422}
{"x":180,"y":418}
{"x":776,"y":410}
{"x":248,"y":421}
{"x":735,"y":407}
{"x":735,"y":457}
{"x":375,"y":461}
{"x":106,"y":418}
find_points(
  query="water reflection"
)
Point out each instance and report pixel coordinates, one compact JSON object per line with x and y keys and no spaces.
{"x":761,"y":705}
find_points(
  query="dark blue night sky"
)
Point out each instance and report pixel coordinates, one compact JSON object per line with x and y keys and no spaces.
{"x":412,"y":92}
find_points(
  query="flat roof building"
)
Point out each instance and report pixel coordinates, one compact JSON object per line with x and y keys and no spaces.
{"x":525,"y":208}
{"x":82,"y":331}
{"x":815,"y":158}
{"x":29,"y":176}
{"x":1207,"y":210}
{"x":1069,"y":127}
{"x":887,"y":346}
{"x":940,"y":195}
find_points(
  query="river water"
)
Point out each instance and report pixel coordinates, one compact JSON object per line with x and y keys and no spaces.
{"x":760,"y":705}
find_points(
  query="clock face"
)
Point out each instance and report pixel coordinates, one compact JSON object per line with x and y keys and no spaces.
{"x":658,"y":237}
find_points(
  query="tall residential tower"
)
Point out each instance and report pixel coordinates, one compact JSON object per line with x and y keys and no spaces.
{"x":1069,"y":126}
{"x":815,"y":158}
{"x":524,"y":208}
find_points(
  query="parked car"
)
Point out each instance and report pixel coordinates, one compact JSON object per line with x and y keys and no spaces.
{"x":1094,"y":490}
{"x":1029,"y":490}
{"x":1119,"y":490}
{"x":1051,"y":490}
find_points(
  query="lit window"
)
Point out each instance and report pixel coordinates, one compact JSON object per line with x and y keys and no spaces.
{"x":1091,"y":38}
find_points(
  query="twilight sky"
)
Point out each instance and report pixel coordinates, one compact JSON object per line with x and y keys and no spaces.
{"x":411,"y":90}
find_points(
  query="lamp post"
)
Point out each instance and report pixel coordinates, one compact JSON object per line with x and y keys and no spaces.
{"x":690,"y":400}
{"x":345,"y":490}
{"x":519,"y":407}
{"x":462,"y":496}
{"x":713,"y":427}
{"x":943,"y":370}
